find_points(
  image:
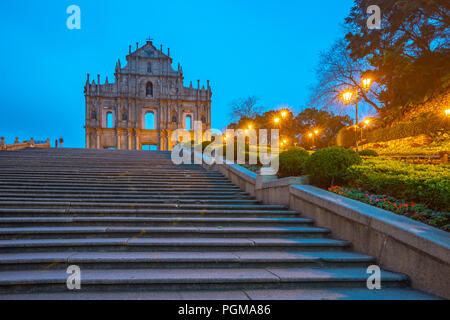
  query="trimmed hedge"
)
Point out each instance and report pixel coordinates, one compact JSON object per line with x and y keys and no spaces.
{"x":426,"y":123}
{"x":328,"y":166}
{"x":292,"y":162}
{"x":368,"y":153}
{"x":425,"y":184}
{"x":346,"y":137}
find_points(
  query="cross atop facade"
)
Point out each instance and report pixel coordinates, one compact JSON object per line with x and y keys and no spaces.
{"x":150,"y":38}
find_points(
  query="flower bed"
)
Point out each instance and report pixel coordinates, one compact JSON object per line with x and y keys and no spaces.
{"x":252,"y":167}
{"x":425,"y":184}
{"x":410,"y":209}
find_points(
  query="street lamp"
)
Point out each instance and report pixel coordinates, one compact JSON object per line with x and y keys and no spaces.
{"x":447,"y":112}
{"x":312,"y":139}
{"x":347,"y":97}
{"x":276,"y":120}
{"x":366,"y":83}
{"x":283,"y":114}
{"x":366,"y":122}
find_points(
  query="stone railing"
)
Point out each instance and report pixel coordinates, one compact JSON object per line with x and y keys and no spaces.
{"x":399,"y":244}
{"x":17,"y":145}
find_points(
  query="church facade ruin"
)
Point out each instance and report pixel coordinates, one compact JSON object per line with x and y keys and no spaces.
{"x":144,"y":105}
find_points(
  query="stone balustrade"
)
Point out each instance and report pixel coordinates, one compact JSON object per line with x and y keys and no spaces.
{"x":17,"y":145}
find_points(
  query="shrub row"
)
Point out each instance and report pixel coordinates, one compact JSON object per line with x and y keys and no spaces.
{"x":425,"y":184}
{"x":292,"y":162}
{"x":324,"y":167}
{"x":427,"y":123}
{"x":368,"y":153}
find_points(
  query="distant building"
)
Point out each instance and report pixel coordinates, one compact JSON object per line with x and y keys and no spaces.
{"x":145,"y":105}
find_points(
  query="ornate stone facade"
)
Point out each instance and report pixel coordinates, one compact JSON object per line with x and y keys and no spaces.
{"x":145,"y":105}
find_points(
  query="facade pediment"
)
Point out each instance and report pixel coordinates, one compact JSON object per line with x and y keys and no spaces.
{"x":149,"y":51}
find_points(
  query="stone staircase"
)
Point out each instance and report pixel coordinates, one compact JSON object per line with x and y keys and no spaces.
{"x":140,"y":227}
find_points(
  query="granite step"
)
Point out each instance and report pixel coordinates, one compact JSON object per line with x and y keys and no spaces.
{"x":165,"y":244}
{"x":241,"y":294}
{"x":79,"y":204}
{"x":151,"y":232}
{"x":9,"y":212}
{"x":197,"y":278}
{"x":128,"y":195}
{"x":181,"y":259}
{"x":38,"y":199}
{"x":141,"y":189}
{"x":152,"y":221}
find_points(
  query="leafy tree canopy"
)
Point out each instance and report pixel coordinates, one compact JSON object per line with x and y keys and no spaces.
{"x":409,"y":54}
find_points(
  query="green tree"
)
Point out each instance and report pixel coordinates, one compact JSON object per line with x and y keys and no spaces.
{"x":336,"y":72}
{"x":325,"y":123}
{"x":245,"y":108}
{"x":409,"y":54}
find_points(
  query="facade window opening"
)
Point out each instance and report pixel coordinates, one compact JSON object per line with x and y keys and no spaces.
{"x":149,"y":68}
{"x":149,"y":121}
{"x":150,"y":147}
{"x":149,"y":89}
{"x":109,"y":120}
{"x":188,"y":123}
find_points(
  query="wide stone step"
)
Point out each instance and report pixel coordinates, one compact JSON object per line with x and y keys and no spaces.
{"x":119,"y":200}
{"x":150,"y":232}
{"x":165,"y":244}
{"x":187,"y":183}
{"x":119,"y":176}
{"x":78,"y":204}
{"x":151,"y":221}
{"x":118,"y":181}
{"x":108,"y":174}
{"x":292,"y":293}
{"x":141,"y":189}
{"x":180,"y":259}
{"x":128,"y":196}
{"x":6,"y":212}
{"x":197,"y":278}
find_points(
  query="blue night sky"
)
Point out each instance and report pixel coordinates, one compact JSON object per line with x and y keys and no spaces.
{"x":245,"y":47}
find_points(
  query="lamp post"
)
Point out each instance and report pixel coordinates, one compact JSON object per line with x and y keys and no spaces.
{"x":367,"y":122}
{"x":347,"y":97}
